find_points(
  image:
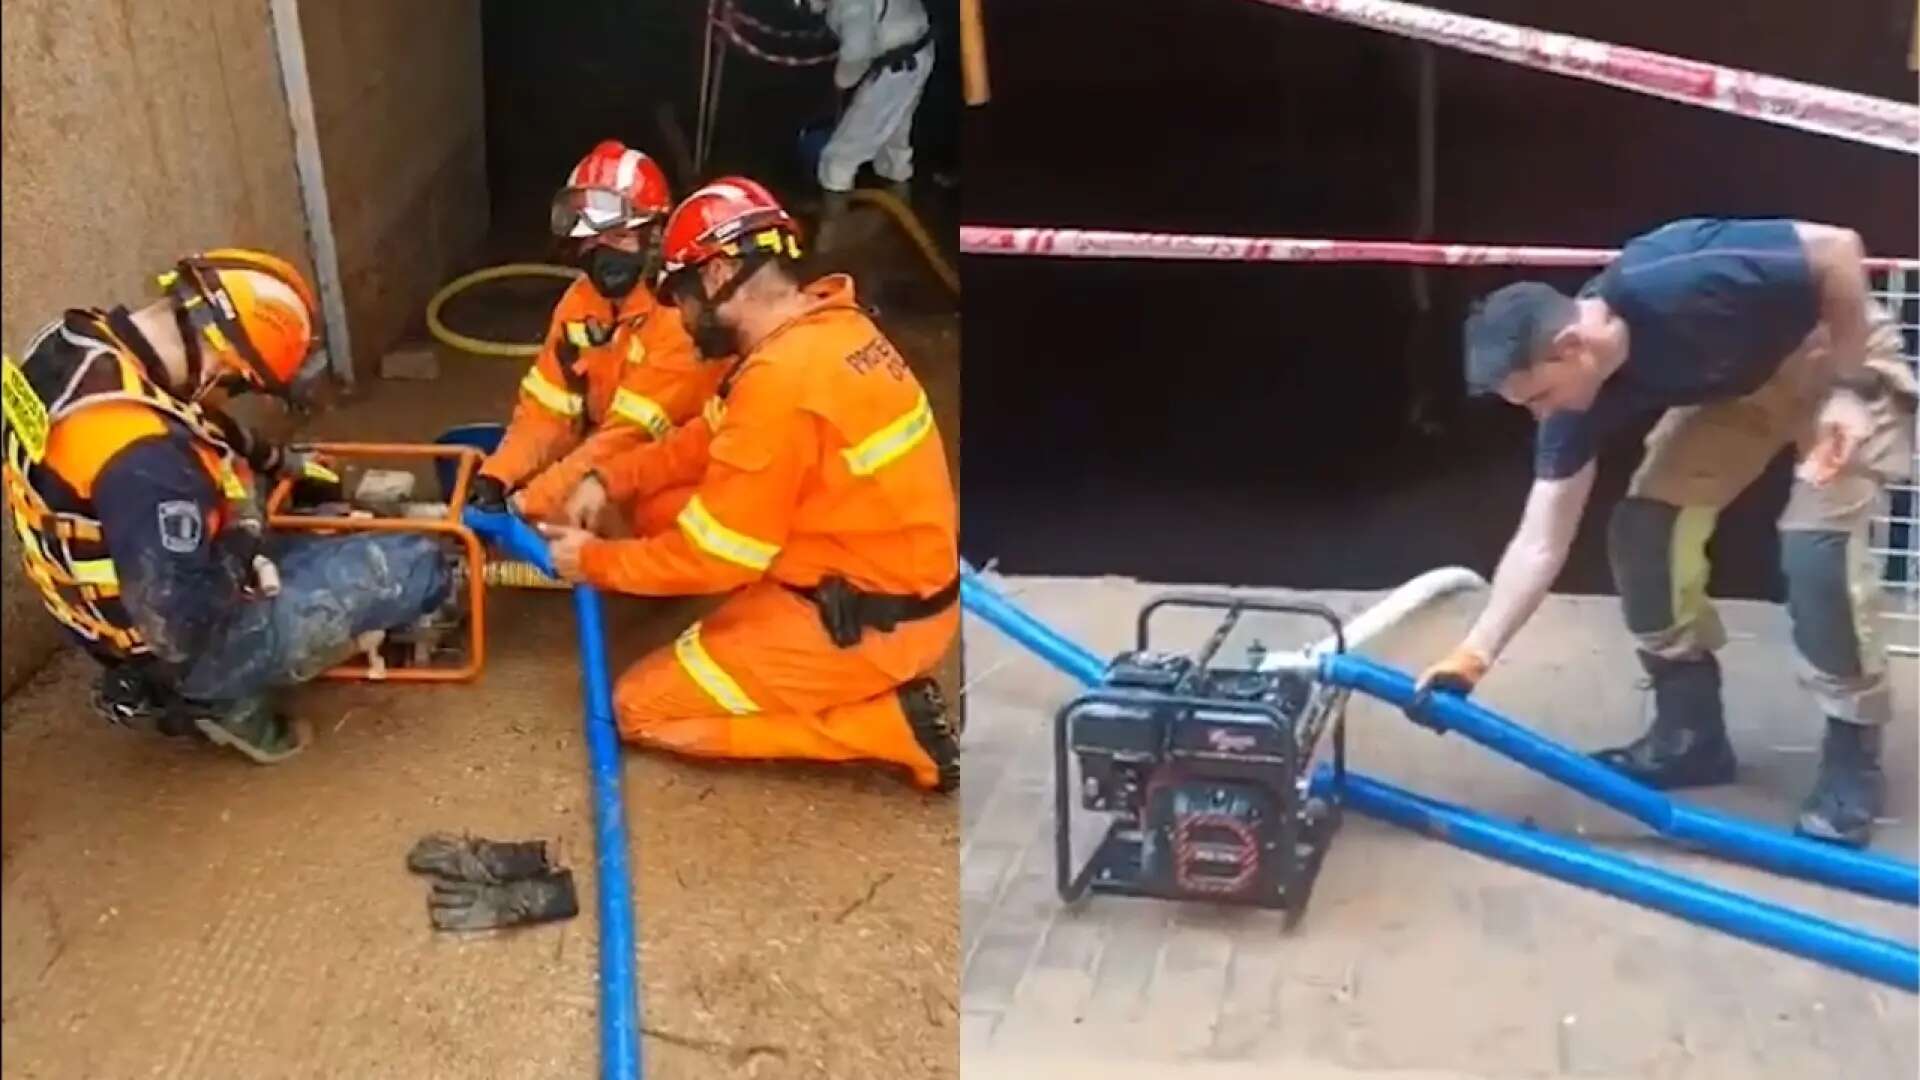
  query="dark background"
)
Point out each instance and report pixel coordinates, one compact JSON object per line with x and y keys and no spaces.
{"x":1232,"y":423}
{"x":561,"y":76}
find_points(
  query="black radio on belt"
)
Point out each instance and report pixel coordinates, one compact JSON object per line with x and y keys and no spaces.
{"x":1202,"y":771}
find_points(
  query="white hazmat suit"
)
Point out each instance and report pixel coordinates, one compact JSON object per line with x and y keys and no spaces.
{"x":886,"y":52}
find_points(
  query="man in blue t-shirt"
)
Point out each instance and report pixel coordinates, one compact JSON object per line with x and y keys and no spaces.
{"x":1746,"y":337}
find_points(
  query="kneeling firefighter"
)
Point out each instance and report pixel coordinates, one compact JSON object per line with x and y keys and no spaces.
{"x":823,"y":503}
{"x":617,"y":369}
{"x":138,"y":505}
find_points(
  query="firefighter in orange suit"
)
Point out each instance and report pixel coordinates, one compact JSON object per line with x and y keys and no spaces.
{"x":617,"y":370}
{"x":822,"y":503}
{"x":138,"y":508}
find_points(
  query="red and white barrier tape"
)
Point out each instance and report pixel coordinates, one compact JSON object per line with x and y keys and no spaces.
{"x":729,"y":21}
{"x":1109,"y":244}
{"x":767,"y":29}
{"x":1892,"y":125}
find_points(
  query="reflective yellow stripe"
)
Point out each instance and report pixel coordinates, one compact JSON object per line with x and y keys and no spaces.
{"x":230,"y":483}
{"x":95,"y":572}
{"x":717,"y":540}
{"x":1687,"y":561}
{"x":636,"y":352}
{"x":553,"y":397}
{"x":577,"y":334}
{"x":890,"y":443}
{"x":26,"y":413}
{"x":644,"y":411}
{"x":716,"y":682}
{"x":715,"y":410}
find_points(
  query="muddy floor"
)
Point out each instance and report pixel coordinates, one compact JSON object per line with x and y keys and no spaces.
{"x":1416,"y":959}
{"x":174,"y":911}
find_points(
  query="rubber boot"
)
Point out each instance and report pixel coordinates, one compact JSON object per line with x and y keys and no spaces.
{"x":123,"y":695}
{"x":1687,"y":745}
{"x":927,"y":715}
{"x":255,"y":728}
{"x":1851,"y":789}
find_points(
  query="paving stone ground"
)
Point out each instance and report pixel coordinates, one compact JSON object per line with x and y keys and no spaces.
{"x":1418,"y":961}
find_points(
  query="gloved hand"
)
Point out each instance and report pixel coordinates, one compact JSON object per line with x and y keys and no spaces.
{"x":471,"y":858}
{"x":467,"y":905}
{"x":487,"y":493}
{"x":1460,"y":671}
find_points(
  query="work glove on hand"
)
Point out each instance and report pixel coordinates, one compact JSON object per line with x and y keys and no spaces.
{"x":468,"y":905}
{"x":1459,"y":672}
{"x":474,"y":859}
{"x":487,"y":493}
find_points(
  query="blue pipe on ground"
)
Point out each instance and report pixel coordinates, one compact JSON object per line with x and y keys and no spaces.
{"x":620,"y":1057}
{"x":1576,"y":863}
{"x":1038,"y":637}
{"x":1742,"y":916}
{"x":1866,"y":872}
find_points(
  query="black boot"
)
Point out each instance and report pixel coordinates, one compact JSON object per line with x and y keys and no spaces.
{"x":1687,"y":744}
{"x":926,"y":710}
{"x":1848,"y":796}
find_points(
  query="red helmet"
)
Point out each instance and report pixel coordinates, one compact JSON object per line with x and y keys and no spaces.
{"x":253,"y":312}
{"x":613,"y":187}
{"x":732,"y":216}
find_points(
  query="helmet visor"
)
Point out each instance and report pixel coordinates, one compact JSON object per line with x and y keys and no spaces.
{"x":589,"y":211}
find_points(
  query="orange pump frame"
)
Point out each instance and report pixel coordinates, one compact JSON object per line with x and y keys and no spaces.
{"x":469,"y":462}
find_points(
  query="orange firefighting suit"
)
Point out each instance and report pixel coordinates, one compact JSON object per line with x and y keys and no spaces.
{"x":820,"y":458}
{"x":611,"y":376}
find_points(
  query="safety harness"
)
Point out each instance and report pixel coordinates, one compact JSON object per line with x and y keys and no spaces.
{"x":76,"y":364}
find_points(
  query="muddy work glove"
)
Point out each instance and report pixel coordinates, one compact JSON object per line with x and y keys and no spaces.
{"x":468,"y":905}
{"x":474,"y":859}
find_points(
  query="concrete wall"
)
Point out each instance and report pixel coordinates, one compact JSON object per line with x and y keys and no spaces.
{"x":132,"y":133}
{"x":397,"y":92}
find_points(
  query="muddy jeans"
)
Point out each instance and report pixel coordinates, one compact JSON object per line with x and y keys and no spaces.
{"x":1698,"y":458}
{"x":332,"y":589}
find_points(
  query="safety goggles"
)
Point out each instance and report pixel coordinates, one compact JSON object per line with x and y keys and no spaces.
{"x":588,"y":211}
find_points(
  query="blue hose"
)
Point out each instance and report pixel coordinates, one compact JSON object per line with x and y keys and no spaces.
{"x":1742,"y":916}
{"x":1865,"y":872}
{"x":1567,"y":860}
{"x":620,"y":1055}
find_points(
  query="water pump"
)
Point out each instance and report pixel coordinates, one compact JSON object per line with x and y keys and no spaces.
{"x":1202,"y":770}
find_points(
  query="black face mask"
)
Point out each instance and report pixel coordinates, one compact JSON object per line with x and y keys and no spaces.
{"x":613,"y":272}
{"x":712,"y":339}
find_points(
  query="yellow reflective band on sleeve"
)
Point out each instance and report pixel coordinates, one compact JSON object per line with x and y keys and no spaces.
{"x":719,"y":685}
{"x":26,"y":414}
{"x":890,"y":443}
{"x":636,"y":352}
{"x":539,"y":389}
{"x":643,"y":411}
{"x":231,"y":485}
{"x":95,"y":572}
{"x":717,"y":540}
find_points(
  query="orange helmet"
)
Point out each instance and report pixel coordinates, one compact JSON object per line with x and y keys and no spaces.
{"x":613,"y":187}
{"x":253,"y":312}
